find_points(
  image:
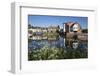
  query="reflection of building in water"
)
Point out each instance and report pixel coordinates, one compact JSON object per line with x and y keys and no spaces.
{"x":70,"y":43}
{"x":38,"y":37}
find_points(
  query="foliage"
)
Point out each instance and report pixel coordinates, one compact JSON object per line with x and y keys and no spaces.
{"x":30,"y":31}
{"x":53,"y":35}
{"x":78,"y":53}
{"x":34,"y":34}
{"x":85,"y":30}
{"x":29,"y":40}
{"x":47,"y":53}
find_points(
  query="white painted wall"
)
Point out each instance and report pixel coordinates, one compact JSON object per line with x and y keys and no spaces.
{"x":5,"y":42}
{"x":75,"y":27}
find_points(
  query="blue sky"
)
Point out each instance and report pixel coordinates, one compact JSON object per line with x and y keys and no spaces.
{"x":45,"y":21}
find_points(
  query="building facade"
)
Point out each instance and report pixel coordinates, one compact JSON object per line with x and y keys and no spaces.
{"x":70,"y":27}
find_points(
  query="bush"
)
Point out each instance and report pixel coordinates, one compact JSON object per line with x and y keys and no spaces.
{"x":47,"y":53}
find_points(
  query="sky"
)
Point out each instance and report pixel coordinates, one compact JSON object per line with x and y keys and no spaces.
{"x":45,"y":21}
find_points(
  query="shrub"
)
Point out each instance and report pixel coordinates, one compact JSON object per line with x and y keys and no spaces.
{"x":47,"y":53}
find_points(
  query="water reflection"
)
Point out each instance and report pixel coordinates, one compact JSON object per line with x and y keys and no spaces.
{"x":60,"y":42}
{"x":54,"y":42}
{"x":57,"y":47}
{"x":75,"y":45}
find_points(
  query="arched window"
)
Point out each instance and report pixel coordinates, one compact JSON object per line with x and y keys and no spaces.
{"x":75,"y":27}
